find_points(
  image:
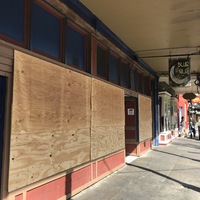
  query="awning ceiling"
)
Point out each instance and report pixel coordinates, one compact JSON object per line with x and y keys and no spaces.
{"x":155,"y":29}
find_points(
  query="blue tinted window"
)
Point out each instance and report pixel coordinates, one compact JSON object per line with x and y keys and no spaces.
{"x":136,"y":79}
{"x":45,"y":31}
{"x":101,"y":62}
{"x":147,"y":85}
{"x":113,"y":69}
{"x":75,"y":48}
{"x":140,"y":83}
{"x":132,"y":76}
{"x":12,"y":19}
{"x":124,"y":74}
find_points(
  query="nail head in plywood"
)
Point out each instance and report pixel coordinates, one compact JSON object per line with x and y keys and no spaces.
{"x":50,"y":130}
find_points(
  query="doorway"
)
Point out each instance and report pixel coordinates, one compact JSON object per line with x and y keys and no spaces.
{"x":131,"y":125}
{"x":2,"y":117}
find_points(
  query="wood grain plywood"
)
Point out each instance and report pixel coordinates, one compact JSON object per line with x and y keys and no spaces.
{"x":107,"y":133}
{"x":50,"y":130}
{"x":106,"y":140}
{"x":107,"y":104}
{"x":145,"y":118}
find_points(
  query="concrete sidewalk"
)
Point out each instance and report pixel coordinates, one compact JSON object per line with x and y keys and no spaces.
{"x":169,"y":172}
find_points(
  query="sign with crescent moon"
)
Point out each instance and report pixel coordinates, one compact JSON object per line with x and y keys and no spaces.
{"x":179,"y":72}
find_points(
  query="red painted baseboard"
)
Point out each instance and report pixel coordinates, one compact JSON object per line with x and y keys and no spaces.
{"x":78,"y":178}
{"x":131,"y":149}
{"x":50,"y":191}
{"x":108,"y":164}
{"x":144,"y":146}
{"x":75,"y":181}
{"x":138,"y":149}
{"x":19,"y":197}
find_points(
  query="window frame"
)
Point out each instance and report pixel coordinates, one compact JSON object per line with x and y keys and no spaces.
{"x":23,"y":44}
{"x":84,"y":33}
{"x":128,"y":64}
{"x":136,"y":79}
{"x":133,"y":73}
{"x":60,"y":17}
{"x":149,"y":86}
{"x":104,"y":47}
{"x":140,"y":81}
{"x":112,"y":53}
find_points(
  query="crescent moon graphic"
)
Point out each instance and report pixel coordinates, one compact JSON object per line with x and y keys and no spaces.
{"x":176,"y":80}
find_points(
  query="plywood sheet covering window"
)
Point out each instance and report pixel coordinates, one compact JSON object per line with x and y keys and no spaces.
{"x":145,"y":118}
{"x":107,"y":133}
{"x":51,"y":120}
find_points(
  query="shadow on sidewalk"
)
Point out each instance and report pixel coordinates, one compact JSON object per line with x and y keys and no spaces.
{"x":193,"y":152}
{"x":192,"y":187}
{"x":176,"y":155}
{"x":190,"y":144}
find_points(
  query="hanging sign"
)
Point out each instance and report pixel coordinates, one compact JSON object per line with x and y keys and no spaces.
{"x":179,"y":72}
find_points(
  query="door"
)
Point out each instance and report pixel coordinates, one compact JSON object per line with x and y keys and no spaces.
{"x":131,"y":125}
{"x":2,"y":110}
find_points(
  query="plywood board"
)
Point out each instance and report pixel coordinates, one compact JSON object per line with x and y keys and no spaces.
{"x":108,"y":119}
{"x":106,"y":140}
{"x":145,"y":118}
{"x":107,"y":104}
{"x":51,"y":120}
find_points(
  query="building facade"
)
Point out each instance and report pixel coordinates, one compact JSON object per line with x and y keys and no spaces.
{"x":75,"y":100}
{"x":183,"y":112}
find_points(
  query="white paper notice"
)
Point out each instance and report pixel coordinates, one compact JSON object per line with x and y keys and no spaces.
{"x":130,"y":111}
